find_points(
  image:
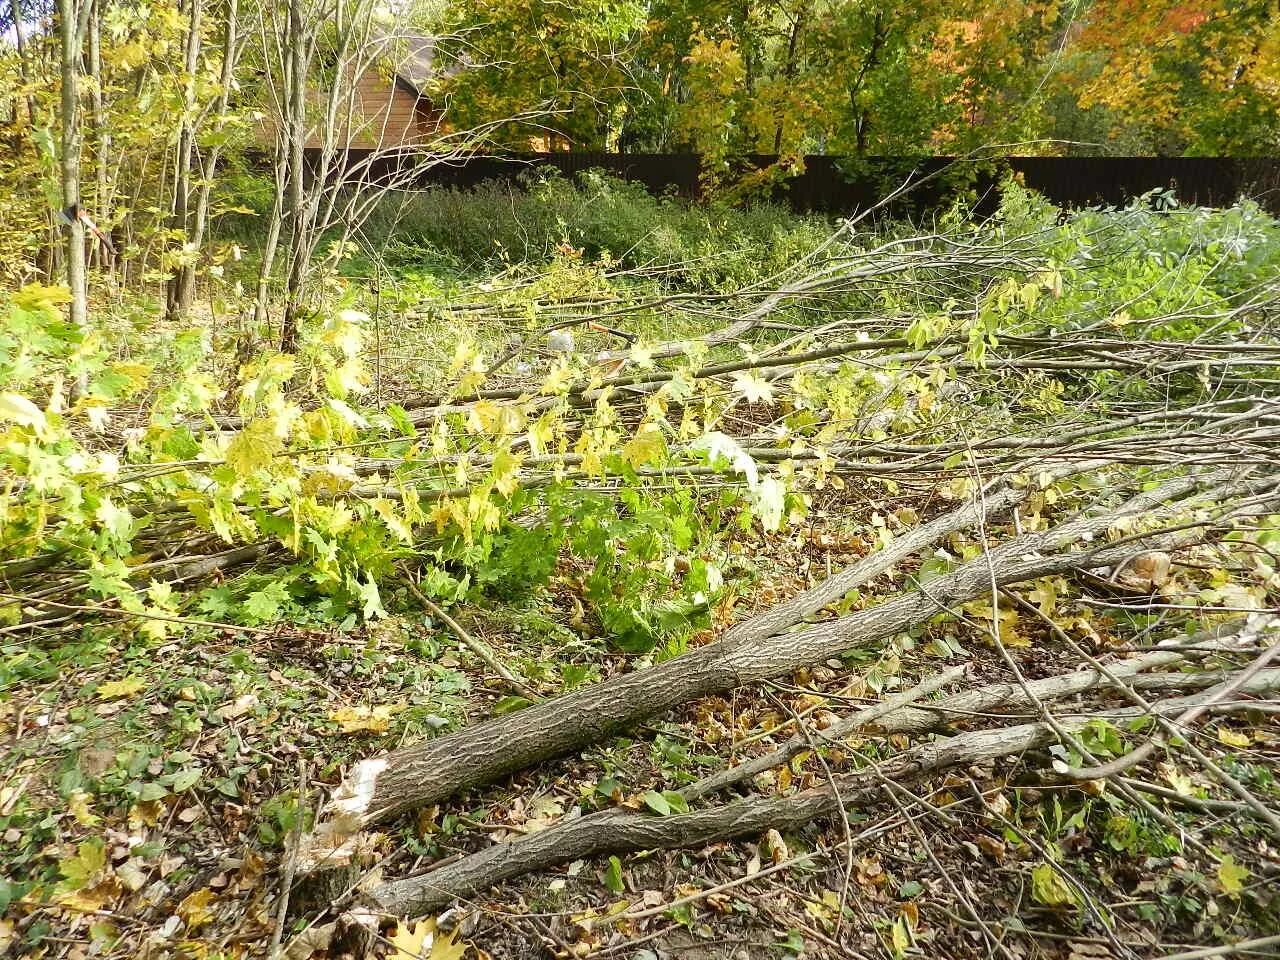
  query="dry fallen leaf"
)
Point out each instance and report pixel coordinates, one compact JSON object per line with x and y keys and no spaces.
{"x":310,"y":941}
{"x":775,"y":846}
{"x":194,"y":910}
{"x":78,"y":805}
{"x":1233,"y":738}
{"x":238,"y":708}
{"x":363,"y":719}
{"x":422,"y":941}
{"x":92,"y":899}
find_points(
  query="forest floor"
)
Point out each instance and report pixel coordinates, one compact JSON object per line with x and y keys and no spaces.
{"x":186,"y":766}
{"x":164,"y":760}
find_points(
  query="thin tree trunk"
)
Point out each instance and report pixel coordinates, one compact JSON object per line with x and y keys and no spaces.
{"x":49,"y":251}
{"x":272,"y":242}
{"x":71,"y":36}
{"x":296,"y":131}
{"x":176,"y":305}
{"x":791,"y":68}
{"x":187,"y":274}
{"x":101,"y":135}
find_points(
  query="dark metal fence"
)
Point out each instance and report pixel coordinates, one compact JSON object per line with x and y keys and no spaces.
{"x":846,"y":185}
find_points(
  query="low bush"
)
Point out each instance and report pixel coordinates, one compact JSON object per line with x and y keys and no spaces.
{"x":710,"y":246}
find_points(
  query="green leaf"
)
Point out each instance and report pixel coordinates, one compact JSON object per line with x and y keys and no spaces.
{"x":152,"y":791}
{"x":1049,"y":888}
{"x":1231,"y":876}
{"x":510,"y":705}
{"x":89,"y":859}
{"x":264,"y":606}
{"x":372,"y":600}
{"x":613,"y":875}
{"x":184,"y":780}
{"x":677,"y":803}
{"x":657,"y":803}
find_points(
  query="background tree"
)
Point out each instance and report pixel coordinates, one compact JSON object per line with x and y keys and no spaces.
{"x":1183,"y":76}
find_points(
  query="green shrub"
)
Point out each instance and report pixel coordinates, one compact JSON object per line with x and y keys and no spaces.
{"x":710,"y":246}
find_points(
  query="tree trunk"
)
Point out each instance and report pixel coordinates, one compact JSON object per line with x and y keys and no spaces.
{"x":296,"y":130}
{"x":179,"y":289}
{"x":384,"y":787}
{"x":791,"y":68}
{"x":186,"y":279}
{"x":101,"y":136}
{"x":71,"y":36}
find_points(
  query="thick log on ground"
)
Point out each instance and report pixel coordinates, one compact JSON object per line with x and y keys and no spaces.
{"x":428,"y":772}
{"x":616,"y":831}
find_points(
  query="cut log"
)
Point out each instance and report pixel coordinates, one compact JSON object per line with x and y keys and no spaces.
{"x":428,"y":772}
{"x":617,"y":831}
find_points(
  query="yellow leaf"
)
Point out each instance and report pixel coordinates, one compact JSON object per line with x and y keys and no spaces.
{"x":114,"y":689}
{"x":422,"y":941}
{"x":145,"y":813}
{"x":78,"y":805}
{"x":91,"y":899}
{"x":646,"y":446}
{"x":408,"y":942}
{"x":363,"y":719}
{"x":35,"y":296}
{"x":1233,"y":739}
{"x":1231,"y":876}
{"x":18,"y":409}
{"x":254,"y":447}
{"x":506,"y":472}
{"x":1049,"y":888}
{"x":194,"y":910}
{"x":901,"y":937}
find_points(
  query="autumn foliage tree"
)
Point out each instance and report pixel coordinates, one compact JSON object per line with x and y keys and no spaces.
{"x":1191,"y":76}
{"x":854,"y":77}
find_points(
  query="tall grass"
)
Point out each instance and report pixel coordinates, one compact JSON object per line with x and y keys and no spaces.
{"x":707,"y":246}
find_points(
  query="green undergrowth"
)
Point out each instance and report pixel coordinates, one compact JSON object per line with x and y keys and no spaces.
{"x":454,"y":231}
{"x":576,"y":537}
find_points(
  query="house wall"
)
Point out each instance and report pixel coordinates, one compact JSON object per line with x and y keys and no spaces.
{"x":385,"y":113}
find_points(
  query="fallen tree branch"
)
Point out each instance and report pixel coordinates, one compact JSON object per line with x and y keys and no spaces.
{"x":382,"y":787}
{"x":471,"y":643}
{"x":616,"y":831}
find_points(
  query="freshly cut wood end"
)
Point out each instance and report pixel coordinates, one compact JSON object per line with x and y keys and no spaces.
{"x":352,"y":798}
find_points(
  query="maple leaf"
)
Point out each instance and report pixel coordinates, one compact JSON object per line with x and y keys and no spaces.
{"x":422,"y":941}
{"x":364,"y":719}
{"x":114,"y":689}
{"x":1049,"y":888}
{"x":506,"y":472}
{"x":754,"y":389}
{"x":194,"y":910}
{"x":1231,"y":876}
{"x":78,"y":804}
{"x":646,"y":446}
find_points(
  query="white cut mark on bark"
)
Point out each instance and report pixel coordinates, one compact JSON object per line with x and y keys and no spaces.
{"x":353,"y":797}
{"x":338,"y":842}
